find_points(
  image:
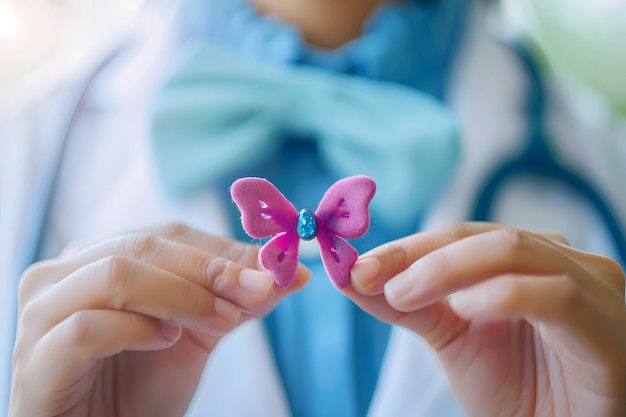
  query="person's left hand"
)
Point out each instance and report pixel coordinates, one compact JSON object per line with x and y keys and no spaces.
{"x":523,"y":324}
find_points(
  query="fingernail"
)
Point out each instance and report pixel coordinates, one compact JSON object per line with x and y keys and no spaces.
{"x":170,"y":331}
{"x":226,"y":310}
{"x":398,"y":287}
{"x":468,"y":302}
{"x":364,"y":273}
{"x":459,"y":301}
{"x":255,"y":281}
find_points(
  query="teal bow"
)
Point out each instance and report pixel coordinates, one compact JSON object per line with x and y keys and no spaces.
{"x":219,"y":113}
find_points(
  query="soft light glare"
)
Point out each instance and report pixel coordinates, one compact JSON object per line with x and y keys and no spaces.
{"x":43,"y":36}
{"x":583,"y":41}
{"x":8,"y":22}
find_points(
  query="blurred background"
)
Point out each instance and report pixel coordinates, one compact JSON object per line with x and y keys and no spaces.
{"x":42,"y":40}
{"x":35,"y":32}
{"x":583,"y":39}
{"x":46,"y":43}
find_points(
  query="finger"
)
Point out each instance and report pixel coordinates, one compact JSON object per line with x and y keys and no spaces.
{"x":603,"y":267}
{"x":242,"y":253}
{"x":227,"y":267}
{"x":555,"y":237}
{"x":122,"y":283}
{"x":249,"y":288}
{"x":436,"y":323}
{"x":83,"y":338}
{"x":556,"y":301}
{"x":468,"y":261}
{"x":119,"y":283}
{"x":376,"y":267}
{"x":303,"y":275}
{"x":390,"y":259}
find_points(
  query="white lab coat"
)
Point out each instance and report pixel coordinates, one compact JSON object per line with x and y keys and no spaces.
{"x":107,"y":185}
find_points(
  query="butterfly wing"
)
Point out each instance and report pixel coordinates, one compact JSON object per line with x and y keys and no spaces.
{"x":338,"y":256}
{"x":280,"y":257}
{"x":343,"y":213}
{"x":344,"y":209}
{"x":266,"y":212}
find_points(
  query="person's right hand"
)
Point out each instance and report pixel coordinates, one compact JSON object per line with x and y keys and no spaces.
{"x":124,"y":326}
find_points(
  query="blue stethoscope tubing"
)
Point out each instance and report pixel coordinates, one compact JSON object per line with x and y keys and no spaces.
{"x":538,"y":159}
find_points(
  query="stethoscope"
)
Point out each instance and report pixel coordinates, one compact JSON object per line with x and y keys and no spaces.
{"x":538,"y":159}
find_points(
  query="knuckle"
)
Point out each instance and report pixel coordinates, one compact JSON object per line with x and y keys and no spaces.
{"x":30,"y":298}
{"x":116,"y":273}
{"x":82,"y":327}
{"x":511,"y":241}
{"x":36,"y":270}
{"x":32,"y":279}
{"x":214,"y":268}
{"x":241,"y":253}
{"x":73,"y":247}
{"x":174,"y":231}
{"x":459,"y":230}
{"x":614,"y":273}
{"x":229,"y":277}
{"x":35,"y":277}
{"x":569,"y":293}
{"x":399,"y":254}
{"x":141,"y":246}
{"x":115,"y":267}
{"x":559,"y":238}
{"x":29,"y":313}
{"x":221,"y":273}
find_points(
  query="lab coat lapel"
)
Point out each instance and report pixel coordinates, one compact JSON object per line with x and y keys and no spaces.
{"x":411,"y":381}
{"x":241,"y":378}
{"x":28,"y":164}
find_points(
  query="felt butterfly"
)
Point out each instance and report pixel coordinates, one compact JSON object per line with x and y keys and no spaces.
{"x":342,"y":214}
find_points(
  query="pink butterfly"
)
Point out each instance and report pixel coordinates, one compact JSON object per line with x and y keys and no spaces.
{"x":342,"y":213}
